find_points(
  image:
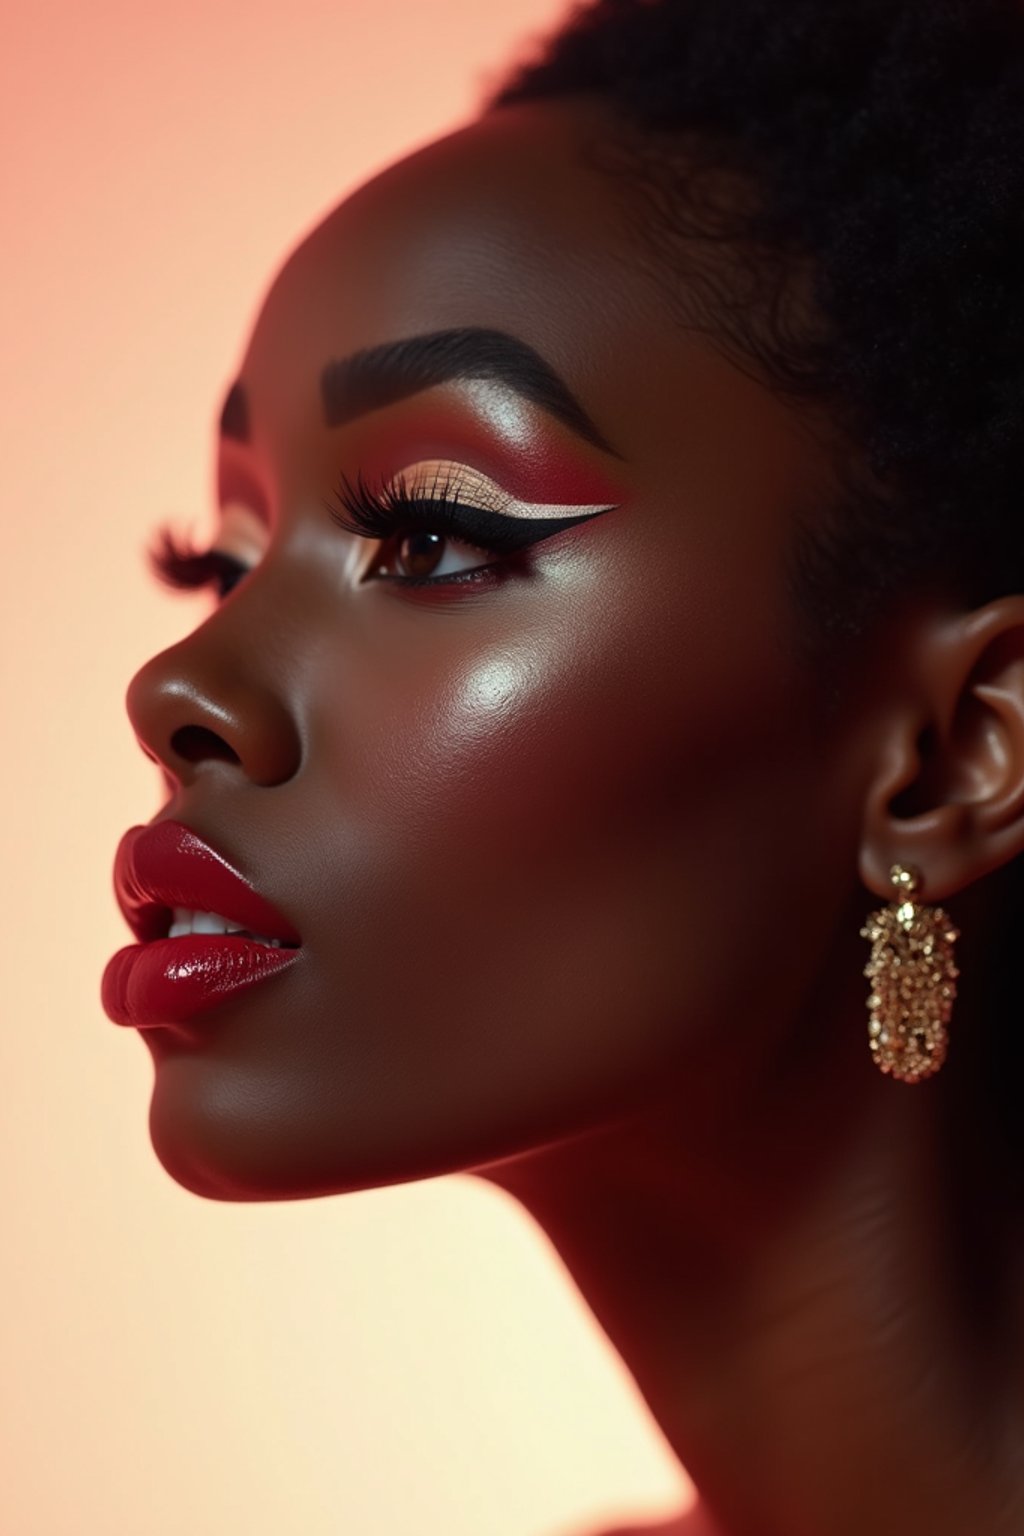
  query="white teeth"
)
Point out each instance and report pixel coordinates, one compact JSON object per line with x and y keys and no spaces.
{"x":186,"y":920}
{"x":209,"y":922}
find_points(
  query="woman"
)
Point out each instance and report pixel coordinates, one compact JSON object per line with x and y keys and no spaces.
{"x":621,"y":575}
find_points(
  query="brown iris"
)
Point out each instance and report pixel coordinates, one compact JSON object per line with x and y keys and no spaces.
{"x":419,"y":552}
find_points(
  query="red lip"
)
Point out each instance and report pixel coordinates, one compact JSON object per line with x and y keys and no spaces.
{"x":167,"y":865}
{"x":167,"y":981}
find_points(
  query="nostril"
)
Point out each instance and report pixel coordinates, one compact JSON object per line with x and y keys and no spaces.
{"x":194,"y":744}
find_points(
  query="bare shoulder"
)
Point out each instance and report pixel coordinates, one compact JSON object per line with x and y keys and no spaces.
{"x":692,"y":1523}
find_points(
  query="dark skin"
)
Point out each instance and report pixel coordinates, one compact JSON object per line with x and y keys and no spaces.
{"x":578,"y":867}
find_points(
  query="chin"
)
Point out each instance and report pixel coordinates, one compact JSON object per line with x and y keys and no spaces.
{"x":228,"y":1133}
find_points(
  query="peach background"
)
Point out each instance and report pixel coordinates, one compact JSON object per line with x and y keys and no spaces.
{"x":407,"y":1360}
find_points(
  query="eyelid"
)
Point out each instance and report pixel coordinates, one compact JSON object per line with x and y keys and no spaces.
{"x":428,"y":495}
{"x":433,"y":502}
{"x":435,"y":477}
{"x":241,"y":535}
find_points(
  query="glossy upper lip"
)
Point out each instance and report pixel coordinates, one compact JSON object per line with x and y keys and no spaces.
{"x":167,"y":865}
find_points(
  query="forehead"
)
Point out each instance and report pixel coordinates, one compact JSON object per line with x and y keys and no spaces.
{"x":508,"y":225}
{"x":502,"y":225}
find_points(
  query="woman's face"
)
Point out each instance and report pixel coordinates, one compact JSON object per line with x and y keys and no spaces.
{"x":535,"y":830}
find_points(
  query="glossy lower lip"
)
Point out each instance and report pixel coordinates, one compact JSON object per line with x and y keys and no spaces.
{"x":169,"y":981}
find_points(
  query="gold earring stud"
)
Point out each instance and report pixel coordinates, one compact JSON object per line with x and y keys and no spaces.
{"x":913,"y":981}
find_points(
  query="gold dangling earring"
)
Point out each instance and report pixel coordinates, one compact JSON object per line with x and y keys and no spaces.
{"x":913,"y":981}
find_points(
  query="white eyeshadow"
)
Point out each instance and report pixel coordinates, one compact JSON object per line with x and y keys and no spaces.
{"x":480,"y":490}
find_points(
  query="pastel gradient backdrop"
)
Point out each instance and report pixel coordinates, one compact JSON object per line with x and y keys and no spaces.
{"x":414,"y":1360}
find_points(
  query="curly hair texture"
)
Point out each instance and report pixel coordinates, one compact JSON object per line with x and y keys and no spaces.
{"x":833,"y":191}
{"x":883,"y":144}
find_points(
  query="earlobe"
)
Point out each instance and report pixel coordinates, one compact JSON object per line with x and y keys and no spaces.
{"x":948,"y":795}
{"x":930,"y":839}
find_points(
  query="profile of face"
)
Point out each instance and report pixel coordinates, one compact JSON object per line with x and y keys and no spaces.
{"x":532,"y":768}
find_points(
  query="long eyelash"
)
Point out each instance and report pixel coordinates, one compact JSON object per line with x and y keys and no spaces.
{"x":379,"y":512}
{"x":180,"y":565}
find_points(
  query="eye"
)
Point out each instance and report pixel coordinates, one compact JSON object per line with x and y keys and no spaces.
{"x":421,"y":554}
{"x":422,"y":517}
{"x":187,"y":569}
{"x":178,"y":563}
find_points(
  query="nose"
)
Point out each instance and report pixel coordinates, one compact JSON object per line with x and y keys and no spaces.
{"x":195,"y":704}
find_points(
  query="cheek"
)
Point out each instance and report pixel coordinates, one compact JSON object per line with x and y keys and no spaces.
{"x":530,"y":829}
{"x":549,"y":842}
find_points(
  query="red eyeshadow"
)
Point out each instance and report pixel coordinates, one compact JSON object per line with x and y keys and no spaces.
{"x":523,"y":456}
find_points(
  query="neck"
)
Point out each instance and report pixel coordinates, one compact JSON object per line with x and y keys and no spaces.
{"x":829,"y":1339}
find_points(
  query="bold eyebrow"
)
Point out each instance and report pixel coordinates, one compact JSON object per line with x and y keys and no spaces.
{"x":234,"y":415}
{"x":383,"y":375}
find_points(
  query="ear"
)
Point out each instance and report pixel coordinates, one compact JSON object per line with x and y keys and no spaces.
{"x":948,"y":794}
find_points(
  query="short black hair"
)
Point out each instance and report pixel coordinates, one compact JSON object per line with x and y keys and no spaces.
{"x":883,"y":144}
